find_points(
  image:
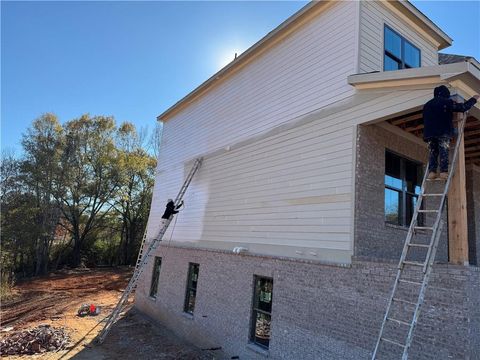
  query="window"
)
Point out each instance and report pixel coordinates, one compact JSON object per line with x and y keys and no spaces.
{"x":403,"y":179}
{"x":261,"y":312}
{"x":399,"y":53}
{"x":155,"y":276}
{"x":191,"y":288}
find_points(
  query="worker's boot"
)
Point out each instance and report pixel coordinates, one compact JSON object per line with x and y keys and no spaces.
{"x":444,"y":175}
{"x":432,"y":175}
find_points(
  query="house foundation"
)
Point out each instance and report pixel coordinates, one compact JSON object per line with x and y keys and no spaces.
{"x":319,"y":311}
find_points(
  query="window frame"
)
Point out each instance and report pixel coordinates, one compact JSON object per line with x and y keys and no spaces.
{"x":189,"y":288}
{"x":255,"y":309}
{"x":401,"y":60}
{"x":402,"y":212}
{"x":157,"y":263}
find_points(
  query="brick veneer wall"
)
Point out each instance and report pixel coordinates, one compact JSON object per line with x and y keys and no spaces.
{"x":319,"y":311}
{"x":373,"y":237}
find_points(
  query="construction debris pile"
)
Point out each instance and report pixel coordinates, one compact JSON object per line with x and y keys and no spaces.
{"x":38,"y":340}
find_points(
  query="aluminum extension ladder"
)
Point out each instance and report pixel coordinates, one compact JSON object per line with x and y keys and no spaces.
{"x":143,"y":258}
{"x":426,"y":266}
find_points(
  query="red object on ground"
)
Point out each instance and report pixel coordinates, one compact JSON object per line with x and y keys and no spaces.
{"x":92,"y":309}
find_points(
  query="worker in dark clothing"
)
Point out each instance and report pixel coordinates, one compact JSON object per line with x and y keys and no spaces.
{"x":171,"y":209}
{"x":438,"y":128}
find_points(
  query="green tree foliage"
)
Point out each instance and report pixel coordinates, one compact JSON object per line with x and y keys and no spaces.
{"x":132,"y":201}
{"x":88,"y":176}
{"x":80,"y":193}
{"x":42,"y":146}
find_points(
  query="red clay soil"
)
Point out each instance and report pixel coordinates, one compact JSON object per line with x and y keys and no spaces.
{"x":49,"y":297}
{"x":55,"y":300}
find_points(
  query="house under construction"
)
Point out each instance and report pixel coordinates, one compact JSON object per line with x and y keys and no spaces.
{"x":313,"y":159}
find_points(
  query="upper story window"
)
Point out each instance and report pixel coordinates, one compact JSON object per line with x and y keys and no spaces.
{"x":399,"y":53}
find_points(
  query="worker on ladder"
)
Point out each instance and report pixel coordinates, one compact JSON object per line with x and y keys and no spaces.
{"x":171,"y":209}
{"x":438,"y":128}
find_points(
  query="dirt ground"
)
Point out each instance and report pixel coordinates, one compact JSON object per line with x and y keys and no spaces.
{"x":55,"y":299}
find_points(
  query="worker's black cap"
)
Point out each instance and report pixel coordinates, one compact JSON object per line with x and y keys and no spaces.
{"x":441,"y":91}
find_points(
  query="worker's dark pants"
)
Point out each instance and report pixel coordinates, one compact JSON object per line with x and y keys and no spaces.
{"x":438,"y":147}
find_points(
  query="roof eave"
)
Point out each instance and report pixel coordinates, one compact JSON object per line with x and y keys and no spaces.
{"x":467,"y":72}
{"x":305,"y":13}
{"x":422,"y":75}
{"x":428,"y":25}
{"x":244,"y":58}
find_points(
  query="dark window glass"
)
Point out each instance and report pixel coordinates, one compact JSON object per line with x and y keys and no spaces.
{"x":155,"y":276}
{"x":399,"y":53}
{"x":392,"y":206}
{"x":412,"y":55}
{"x":403,"y":180}
{"x":393,"y":43}
{"x":410,"y":207}
{"x":191,"y":292}
{"x":262,"y":311}
{"x":391,"y":64}
{"x":413,"y":177}
{"x":393,"y":165}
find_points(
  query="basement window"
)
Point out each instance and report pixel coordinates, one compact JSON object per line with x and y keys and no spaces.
{"x":191,"y":292}
{"x":398,"y":52}
{"x":155,"y":276}
{"x":261,"y":311}
{"x":403,"y":180}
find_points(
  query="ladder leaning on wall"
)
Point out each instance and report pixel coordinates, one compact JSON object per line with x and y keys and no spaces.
{"x":418,"y":286}
{"x":143,"y":257}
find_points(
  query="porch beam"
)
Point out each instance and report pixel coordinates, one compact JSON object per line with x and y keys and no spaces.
{"x":472,"y":141}
{"x":406,"y":119}
{"x":457,"y":211}
{"x":473,"y":123}
{"x":470,"y":149}
{"x":472,"y":132}
{"x":414,"y":128}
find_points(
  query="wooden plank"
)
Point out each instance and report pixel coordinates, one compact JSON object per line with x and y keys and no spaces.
{"x":471,"y":124}
{"x":457,"y":212}
{"x":472,"y":132}
{"x":472,"y":141}
{"x":414,"y":128}
{"x":406,"y":119}
{"x":470,"y":155}
{"x":470,"y":149}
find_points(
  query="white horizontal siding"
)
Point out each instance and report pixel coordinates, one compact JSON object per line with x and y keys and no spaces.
{"x":304,"y":72}
{"x":275,"y":191}
{"x":292,"y":188}
{"x":373,"y":17}
{"x":289,"y":188}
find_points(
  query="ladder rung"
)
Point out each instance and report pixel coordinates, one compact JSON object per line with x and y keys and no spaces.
{"x":392,"y":342}
{"x":419,"y":245}
{"x":423,"y":228}
{"x":404,"y":301}
{"x":414,"y":263}
{"x":410,"y":282}
{"x":398,"y":321}
{"x":432,"y":194}
{"x":428,"y":211}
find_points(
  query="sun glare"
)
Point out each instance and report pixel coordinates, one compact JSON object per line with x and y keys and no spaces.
{"x":227,"y":56}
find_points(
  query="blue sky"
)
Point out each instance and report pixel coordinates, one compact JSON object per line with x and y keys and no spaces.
{"x":133,"y":60}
